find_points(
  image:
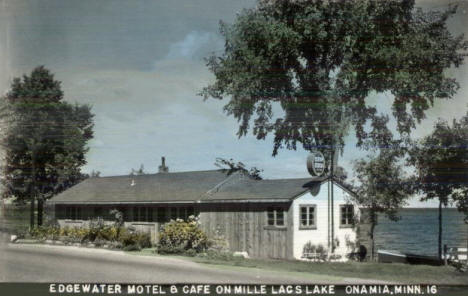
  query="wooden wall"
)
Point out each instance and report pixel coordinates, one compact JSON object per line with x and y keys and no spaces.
{"x":245,"y":228}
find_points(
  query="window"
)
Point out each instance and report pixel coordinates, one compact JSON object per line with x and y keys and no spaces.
{"x":98,"y":212}
{"x":143,"y":214}
{"x":275,"y":216}
{"x":307,"y":216}
{"x":73,"y":213}
{"x":346,"y":215}
{"x":174,"y":214}
{"x":182,"y":213}
{"x":124,"y":213}
{"x":161,"y":215}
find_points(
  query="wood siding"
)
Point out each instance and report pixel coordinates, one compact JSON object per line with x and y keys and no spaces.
{"x":243,"y":225}
{"x":245,"y":229}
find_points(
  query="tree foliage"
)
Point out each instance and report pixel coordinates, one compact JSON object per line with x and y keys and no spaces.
{"x":441,"y":162}
{"x":317,"y":61}
{"x":230,"y":167}
{"x":382,"y":187}
{"x":95,"y":174}
{"x":140,"y":171}
{"x":45,"y":139}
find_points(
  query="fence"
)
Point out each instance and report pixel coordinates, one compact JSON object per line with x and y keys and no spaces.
{"x":455,"y":254}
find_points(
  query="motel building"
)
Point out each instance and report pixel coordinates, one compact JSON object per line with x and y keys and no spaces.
{"x":278,"y":218}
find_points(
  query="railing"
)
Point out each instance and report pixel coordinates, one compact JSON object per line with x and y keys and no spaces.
{"x":314,"y":256}
{"x":320,"y":257}
{"x":455,"y":254}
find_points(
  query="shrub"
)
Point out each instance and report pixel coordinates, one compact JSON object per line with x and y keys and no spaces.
{"x":309,"y":247}
{"x":45,"y":232}
{"x":218,"y":243}
{"x":117,"y":217}
{"x":317,"y":249}
{"x":97,"y":233}
{"x":178,"y":236}
{"x":128,"y":238}
{"x":132,"y":247}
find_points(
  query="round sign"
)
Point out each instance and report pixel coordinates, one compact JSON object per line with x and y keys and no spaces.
{"x":316,"y":163}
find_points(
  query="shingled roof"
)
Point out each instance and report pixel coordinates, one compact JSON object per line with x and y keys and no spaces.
{"x":184,"y":187}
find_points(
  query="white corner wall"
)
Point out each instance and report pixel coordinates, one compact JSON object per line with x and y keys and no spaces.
{"x":320,"y":234}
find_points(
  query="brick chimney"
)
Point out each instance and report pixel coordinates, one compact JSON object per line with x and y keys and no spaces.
{"x":163,"y":168}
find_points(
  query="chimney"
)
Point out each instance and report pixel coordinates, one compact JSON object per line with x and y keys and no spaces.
{"x":163,"y":168}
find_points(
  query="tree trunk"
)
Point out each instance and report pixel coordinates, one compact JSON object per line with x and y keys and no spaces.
{"x":40,"y":210}
{"x":31,"y":217}
{"x":440,"y":229}
{"x":371,"y":234}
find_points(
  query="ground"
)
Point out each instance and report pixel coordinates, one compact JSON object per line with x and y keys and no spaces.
{"x":42,"y":263}
{"x":45,"y":263}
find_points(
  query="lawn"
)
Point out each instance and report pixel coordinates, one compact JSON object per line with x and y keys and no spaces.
{"x":397,"y":273}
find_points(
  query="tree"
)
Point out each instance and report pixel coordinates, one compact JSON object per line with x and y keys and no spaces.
{"x":140,"y":171}
{"x":382,"y":188}
{"x":340,"y":174}
{"x":441,"y":162}
{"x":95,"y":174}
{"x":318,"y":61}
{"x":45,"y":140}
{"x":230,"y":167}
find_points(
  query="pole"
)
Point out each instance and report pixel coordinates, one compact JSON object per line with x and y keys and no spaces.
{"x":440,"y":230}
{"x":332,"y":204}
{"x":329,"y":219}
{"x":33,"y":191}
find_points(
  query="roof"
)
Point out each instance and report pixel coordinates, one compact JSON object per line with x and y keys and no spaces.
{"x":185,"y":187}
{"x":249,"y":189}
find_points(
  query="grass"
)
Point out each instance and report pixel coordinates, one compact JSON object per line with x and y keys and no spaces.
{"x":397,"y":273}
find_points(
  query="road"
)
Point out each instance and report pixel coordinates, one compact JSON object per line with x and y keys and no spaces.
{"x":44,"y":263}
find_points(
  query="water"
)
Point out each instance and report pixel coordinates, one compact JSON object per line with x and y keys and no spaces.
{"x":417,"y":231}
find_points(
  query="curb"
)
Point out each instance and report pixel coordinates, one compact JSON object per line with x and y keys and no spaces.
{"x":61,"y":243}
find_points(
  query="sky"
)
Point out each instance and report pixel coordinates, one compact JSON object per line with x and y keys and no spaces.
{"x":140,"y":65}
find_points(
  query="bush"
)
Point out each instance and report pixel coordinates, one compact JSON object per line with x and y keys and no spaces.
{"x":128,"y":238}
{"x":179,"y":236}
{"x":97,"y":233}
{"x":45,"y":232}
{"x":133,"y":247}
{"x":218,"y":243}
{"x":319,"y":249}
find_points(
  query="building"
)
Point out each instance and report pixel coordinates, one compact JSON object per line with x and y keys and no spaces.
{"x":265,"y":218}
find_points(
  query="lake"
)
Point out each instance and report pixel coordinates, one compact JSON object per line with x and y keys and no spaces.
{"x":417,"y":231}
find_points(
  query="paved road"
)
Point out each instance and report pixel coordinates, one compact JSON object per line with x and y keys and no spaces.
{"x":42,"y":263}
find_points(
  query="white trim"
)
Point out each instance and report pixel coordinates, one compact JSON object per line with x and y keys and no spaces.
{"x":391,"y":253}
{"x":173,"y":202}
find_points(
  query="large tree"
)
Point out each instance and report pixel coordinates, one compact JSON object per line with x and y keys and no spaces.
{"x":44,"y":141}
{"x":317,"y":62}
{"x":381,"y":188}
{"x":441,"y":162}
